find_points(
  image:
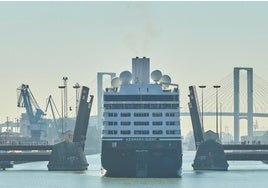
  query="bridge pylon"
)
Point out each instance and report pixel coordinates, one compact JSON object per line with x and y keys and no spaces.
{"x":237,"y":102}
{"x":100,"y":93}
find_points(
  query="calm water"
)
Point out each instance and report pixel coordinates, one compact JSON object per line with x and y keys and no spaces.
{"x":242,"y":174}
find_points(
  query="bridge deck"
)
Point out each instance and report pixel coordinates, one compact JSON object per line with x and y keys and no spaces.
{"x":25,"y":147}
{"x":247,"y":156}
{"x":25,"y":152}
{"x":25,"y":156}
{"x":245,"y":147}
{"x":244,"y":152}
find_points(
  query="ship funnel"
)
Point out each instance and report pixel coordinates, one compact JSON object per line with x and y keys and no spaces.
{"x":140,"y":70}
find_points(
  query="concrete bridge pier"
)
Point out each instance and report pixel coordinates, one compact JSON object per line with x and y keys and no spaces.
{"x":69,"y":155}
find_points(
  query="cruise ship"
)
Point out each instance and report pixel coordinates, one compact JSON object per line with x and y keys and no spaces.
{"x":141,"y":134}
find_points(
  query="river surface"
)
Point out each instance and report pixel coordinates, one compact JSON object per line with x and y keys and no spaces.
{"x":241,"y":174}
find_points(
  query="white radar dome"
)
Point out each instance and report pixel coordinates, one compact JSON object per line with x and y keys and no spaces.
{"x":156,"y":75}
{"x":115,"y":82}
{"x":165,"y":80}
{"x":125,"y":77}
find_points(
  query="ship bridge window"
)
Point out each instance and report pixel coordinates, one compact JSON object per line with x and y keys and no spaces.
{"x":141,"y":114}
{"x":112,"y":123}
{"x":172,"y":132}
{"x":112,"y":131}
{"x":157,"y":114}
{"x":125,"y":114}
{"x":109,"y":131}
{"x":112,"y":114}
{"x":125,"y":132}
{"x":157,"y":123}
{"x":141,"y":106}
{"x":170,"y":114}
{"x":157,"y":132}
{"x":171,"y":123}
{"x":141,"y":97}
{"x":125,"y":123}
{"x":141,"y":123}
{"x":141,"y":132}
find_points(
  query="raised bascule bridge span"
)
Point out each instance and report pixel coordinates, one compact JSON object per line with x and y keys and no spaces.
{"x":211,"y":153}
{"x":65,"y":155}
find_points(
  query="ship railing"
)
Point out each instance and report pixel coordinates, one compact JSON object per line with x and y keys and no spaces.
{"x":111,"y":90}
{"x":175,"y":87}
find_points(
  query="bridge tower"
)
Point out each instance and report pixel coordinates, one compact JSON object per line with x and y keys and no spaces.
{"x":100,"y":93}
{"x":249,"y":116}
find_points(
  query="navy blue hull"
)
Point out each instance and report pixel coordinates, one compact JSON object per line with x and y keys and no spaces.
{"x":142,"y":158}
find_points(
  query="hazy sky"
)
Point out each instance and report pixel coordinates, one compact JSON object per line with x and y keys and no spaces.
{"x":194,"y":42}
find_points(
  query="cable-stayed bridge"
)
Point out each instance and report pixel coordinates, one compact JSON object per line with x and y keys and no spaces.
{"x":228,"y":114}
{"x":242,"y":94}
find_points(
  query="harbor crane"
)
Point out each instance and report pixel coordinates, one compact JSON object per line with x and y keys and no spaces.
{"x":27,"y":100}
{"x":53,"y":107}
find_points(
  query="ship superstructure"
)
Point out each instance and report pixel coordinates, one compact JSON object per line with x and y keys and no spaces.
{"x":141,"y":134}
